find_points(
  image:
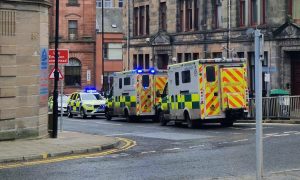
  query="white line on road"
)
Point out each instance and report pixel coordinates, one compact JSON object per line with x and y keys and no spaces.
{"x":113,"y":124}
{"x":191,"y":147}
{"x":123,"y":134}
{"x":242,"y":140}
{"x":148,"y":152}
{"x":173,"y":149}
{"x":288,"y":132}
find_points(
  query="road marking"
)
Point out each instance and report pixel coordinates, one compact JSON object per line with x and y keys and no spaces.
{"x":288,"y":132}
{"x":242,"y":140}
{"x":192,"y":147}
{"x":148,"y":152}
{"x":123,"y":134}
{"x":127,"y":145}
{"x":113,"y":124}
{"x":173,"y":149}
{"x":297,"y":133}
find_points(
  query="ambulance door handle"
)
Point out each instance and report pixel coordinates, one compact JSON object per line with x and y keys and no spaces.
{"x":215,"y":94}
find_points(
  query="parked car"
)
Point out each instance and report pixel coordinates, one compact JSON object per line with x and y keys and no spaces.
{"x":61,"y":109}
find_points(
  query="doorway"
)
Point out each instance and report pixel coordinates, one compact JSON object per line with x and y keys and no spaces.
{"x":162,"y":61}
{"x":295,"y":73}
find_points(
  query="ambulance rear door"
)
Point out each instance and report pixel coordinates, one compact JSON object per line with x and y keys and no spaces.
{"x":145,"y":93}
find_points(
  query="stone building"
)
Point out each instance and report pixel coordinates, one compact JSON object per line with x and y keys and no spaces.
{"x":23,"y":68}
{"x":164,"y":32}
{"x":77,"y":21}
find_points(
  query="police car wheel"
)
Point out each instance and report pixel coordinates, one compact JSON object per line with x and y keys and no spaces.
{"x":82,"y":114}
{"x":227,"y":124}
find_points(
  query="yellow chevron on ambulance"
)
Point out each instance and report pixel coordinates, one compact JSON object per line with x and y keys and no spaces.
{"x":136,"y":94}
{"x":206,"y":91}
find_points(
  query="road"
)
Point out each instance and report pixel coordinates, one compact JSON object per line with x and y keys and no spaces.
{"x":173,"y":152}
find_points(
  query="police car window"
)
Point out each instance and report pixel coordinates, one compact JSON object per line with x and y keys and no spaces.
{"x":186,"y":76}
{"x":88,"y":96}
{"x":210,"y":74}
{"x":126,"y":81}
{"x":177,"y":78}
{"x":120,"y":83}
{"x":145,"y":80}
{"x":98,"y":96}
{"x":78,"y":96}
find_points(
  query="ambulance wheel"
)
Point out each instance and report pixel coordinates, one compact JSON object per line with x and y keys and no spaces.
{"x":128,"y":118}
{"x":70,"y":115}
{"x":190,"y":123}
{"x":161,"y":118}
{"x":82,"y":114}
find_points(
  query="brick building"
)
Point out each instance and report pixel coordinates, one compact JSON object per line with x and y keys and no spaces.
{"x":113,"y":42}
{"x":171,"y":31}
{"x":23,"y":69}
{"x":77,"y":20}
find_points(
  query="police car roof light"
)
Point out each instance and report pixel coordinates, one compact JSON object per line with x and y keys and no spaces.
{"x":90,"y":89}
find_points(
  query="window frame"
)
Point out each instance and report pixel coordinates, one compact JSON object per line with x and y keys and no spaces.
{"x":185,"y":76}
{"x":71,"y":29}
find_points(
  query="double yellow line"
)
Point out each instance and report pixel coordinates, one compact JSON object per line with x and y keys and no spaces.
{"x":127,"y":145}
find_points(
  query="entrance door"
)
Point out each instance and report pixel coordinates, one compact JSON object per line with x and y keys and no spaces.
{"x":162,"y":61}
{"x":295,"y":73}
{"x":212,"y":91}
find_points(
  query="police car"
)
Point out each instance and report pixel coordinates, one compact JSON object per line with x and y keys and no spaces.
{"x":87,"y":103}
{"x":62,"y":109}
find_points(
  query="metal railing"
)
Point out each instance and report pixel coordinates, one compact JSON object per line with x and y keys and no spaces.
{"x":280,"y":107}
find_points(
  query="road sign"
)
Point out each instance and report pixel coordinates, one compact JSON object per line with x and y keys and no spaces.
{"x":51,"y":75}
{"x":63,"y":56}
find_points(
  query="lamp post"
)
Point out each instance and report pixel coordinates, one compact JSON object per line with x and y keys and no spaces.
{"x":56,"y":75}
{"x":102,"y":41}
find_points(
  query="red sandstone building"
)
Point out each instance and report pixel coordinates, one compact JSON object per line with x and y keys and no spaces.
{"x":79,"y":34}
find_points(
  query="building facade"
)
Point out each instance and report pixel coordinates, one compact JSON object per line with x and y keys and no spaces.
{"x":164,"y":32}
{"x":77,"y":20}
{"x":113,"y":43}
{"x":23,"y":68}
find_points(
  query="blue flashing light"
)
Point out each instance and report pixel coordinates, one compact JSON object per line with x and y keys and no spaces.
{"x":152,"y":71}
{"x":90,"y":89}
{"x":139,"y":70}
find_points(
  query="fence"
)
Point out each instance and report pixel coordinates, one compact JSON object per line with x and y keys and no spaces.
{"x":281,"y":107}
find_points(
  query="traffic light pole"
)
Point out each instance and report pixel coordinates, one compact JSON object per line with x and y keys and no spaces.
{"x":56,"y":75}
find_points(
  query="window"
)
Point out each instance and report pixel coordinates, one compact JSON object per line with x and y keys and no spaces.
{"x":242,"y":13}
{"x":134,"y":61}
{"x":181,"y":14}
{"x":120,"y":3}
{"x":72,"y":29}
{"x":107,"y":3}
{"x":142,"y":20}
{"x":187,"y":57}
{"x":217,"y":55}
{"x":73,"y":73}
{"x":147,"y":61}
{"x":99,"y":3}
{"x":196,"y":14}
{"x":163,"y":16}
{"x":253,"y":12}
{"x":147,"y":20}
{"x":145,"y":81}
{"x":210,"y":74}
{"x":135,"y":21}
{"x":126,"y":81}
{"x":141,"y":61}
{"x":179,"y":57}
{"x":113,"y":51}
{"x":71,"y":2}
{"x":195,"y":56}
{"x":217,"y":11}
{"x":120,"y":83}
{"x":189,"y":15}
{"x":293,"y":9}
{"x":177,"y":78}
{"x":186,"y":76}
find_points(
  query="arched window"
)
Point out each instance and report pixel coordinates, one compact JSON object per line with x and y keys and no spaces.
{"x":73,"y":73}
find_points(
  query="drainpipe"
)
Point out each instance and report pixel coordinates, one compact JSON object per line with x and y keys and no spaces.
{"x":128,"y":34}
{"x":228,"y":28}
{"x":205,"y":28}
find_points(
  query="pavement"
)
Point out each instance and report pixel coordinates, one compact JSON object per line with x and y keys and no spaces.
{"x":67,"y":143}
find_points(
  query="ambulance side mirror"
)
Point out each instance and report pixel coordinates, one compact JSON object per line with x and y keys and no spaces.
{"x":158,"y":94}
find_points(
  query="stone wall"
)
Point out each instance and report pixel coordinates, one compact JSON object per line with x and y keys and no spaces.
{"x":23,"y":110}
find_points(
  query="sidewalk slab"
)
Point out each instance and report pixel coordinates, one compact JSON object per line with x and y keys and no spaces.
{"x":285,"y":121}
{"x":66,"y":143}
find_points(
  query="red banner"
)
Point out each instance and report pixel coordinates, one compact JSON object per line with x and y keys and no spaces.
{"x":63,"y":56}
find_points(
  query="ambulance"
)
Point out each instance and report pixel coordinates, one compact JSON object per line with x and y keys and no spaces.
{"x":205,"y":91}
{"x":136,"y":94}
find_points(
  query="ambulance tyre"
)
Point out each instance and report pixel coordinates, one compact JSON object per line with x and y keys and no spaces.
{"x":107,"y":115}
{"x":190,"y":123}
{"x":162,"y":120}
{"x":227,"y":123}
{"x":128,"y":118}
{"x":82,"y":114}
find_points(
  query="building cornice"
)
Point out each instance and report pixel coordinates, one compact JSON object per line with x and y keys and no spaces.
{"x":37,"y":2}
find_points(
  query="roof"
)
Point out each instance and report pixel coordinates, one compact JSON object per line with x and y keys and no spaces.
{"x":215,"y":60}
{"x":113,"y":20}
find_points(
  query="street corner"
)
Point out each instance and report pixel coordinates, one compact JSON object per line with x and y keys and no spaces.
{"x":105,"y":146}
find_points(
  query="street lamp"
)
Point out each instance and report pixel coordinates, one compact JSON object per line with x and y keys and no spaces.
{"x":102,"y":42}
